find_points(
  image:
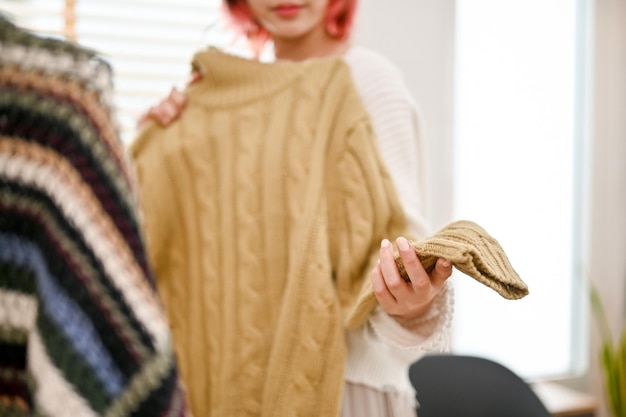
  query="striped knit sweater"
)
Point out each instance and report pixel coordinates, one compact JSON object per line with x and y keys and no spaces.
{"x":82,"y":332}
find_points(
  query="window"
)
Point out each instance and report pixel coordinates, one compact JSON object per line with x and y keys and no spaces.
{"x":519,"y":172}
{"x":148,"y":42}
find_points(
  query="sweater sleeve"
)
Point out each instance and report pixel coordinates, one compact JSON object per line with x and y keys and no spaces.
{"x":398,"y":126}
{"x":380,"y":349}
{"x":363,"y":209}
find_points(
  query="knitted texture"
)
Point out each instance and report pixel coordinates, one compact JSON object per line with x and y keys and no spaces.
{"x":475,"y":253}
{"x":264,"y":205}
{"x":82,"y":330}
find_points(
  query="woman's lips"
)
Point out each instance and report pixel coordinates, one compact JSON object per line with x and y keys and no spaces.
{"x":288,"y":10}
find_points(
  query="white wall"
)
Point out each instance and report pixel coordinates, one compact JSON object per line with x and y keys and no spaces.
{"x":607,"y":241}
{"x":418,"y":35}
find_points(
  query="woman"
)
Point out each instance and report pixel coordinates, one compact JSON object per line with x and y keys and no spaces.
{"x":340,"y":234}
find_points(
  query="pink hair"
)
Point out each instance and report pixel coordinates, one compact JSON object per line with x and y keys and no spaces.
{"x":338,"y":21}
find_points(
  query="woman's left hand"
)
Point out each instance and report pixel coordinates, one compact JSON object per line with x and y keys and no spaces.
{"x":401,"y":299}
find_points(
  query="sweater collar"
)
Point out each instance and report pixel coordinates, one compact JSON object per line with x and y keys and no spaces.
{"x":229,"y":79}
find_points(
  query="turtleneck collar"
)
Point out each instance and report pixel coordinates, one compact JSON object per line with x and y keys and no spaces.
{"x":230,"y":79}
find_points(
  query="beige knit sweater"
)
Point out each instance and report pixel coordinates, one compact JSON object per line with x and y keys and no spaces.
{"x":264,"y":207}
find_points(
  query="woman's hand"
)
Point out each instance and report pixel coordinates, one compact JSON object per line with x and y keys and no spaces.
{"x":170,"y":107}
{"x":401,"y":299}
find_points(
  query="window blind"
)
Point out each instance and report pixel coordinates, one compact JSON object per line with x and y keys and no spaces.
{"x":149,"y":43}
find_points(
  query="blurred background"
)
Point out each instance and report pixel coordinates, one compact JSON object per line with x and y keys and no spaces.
{"x":524,"y":104}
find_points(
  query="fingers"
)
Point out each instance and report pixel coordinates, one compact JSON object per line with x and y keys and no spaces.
{"x":391,"y":290}
{"x":176,"y":99}
{"x":166,"y":112}
{"x":383,"y":295}
{"x":168,"y":109}
{"x":393,"y":280}
{"x":171,"y":107}
{"x":398,"y":297}
{"x":421,"y":279}
{"x":414,"y":268}
{"x":441,"y":272}
{"x":193,"y":77}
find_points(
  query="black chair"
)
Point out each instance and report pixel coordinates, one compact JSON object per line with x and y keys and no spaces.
{"x":450,"y":385}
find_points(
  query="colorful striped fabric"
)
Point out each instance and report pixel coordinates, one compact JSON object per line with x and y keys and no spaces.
{"x":82,"y":331}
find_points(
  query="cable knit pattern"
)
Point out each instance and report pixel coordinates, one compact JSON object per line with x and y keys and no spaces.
{"x":265,"y":205}
{"x":82,"y":331}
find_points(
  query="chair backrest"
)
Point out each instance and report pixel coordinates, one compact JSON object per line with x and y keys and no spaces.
{"x":450,"y":385}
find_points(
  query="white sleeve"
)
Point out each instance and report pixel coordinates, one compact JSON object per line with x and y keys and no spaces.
{"x":381,"y":351}
{"x":399,"y":133}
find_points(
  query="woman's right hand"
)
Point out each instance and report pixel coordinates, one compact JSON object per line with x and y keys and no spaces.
{"x":407,"y":301}
{"x":170,"y":107}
